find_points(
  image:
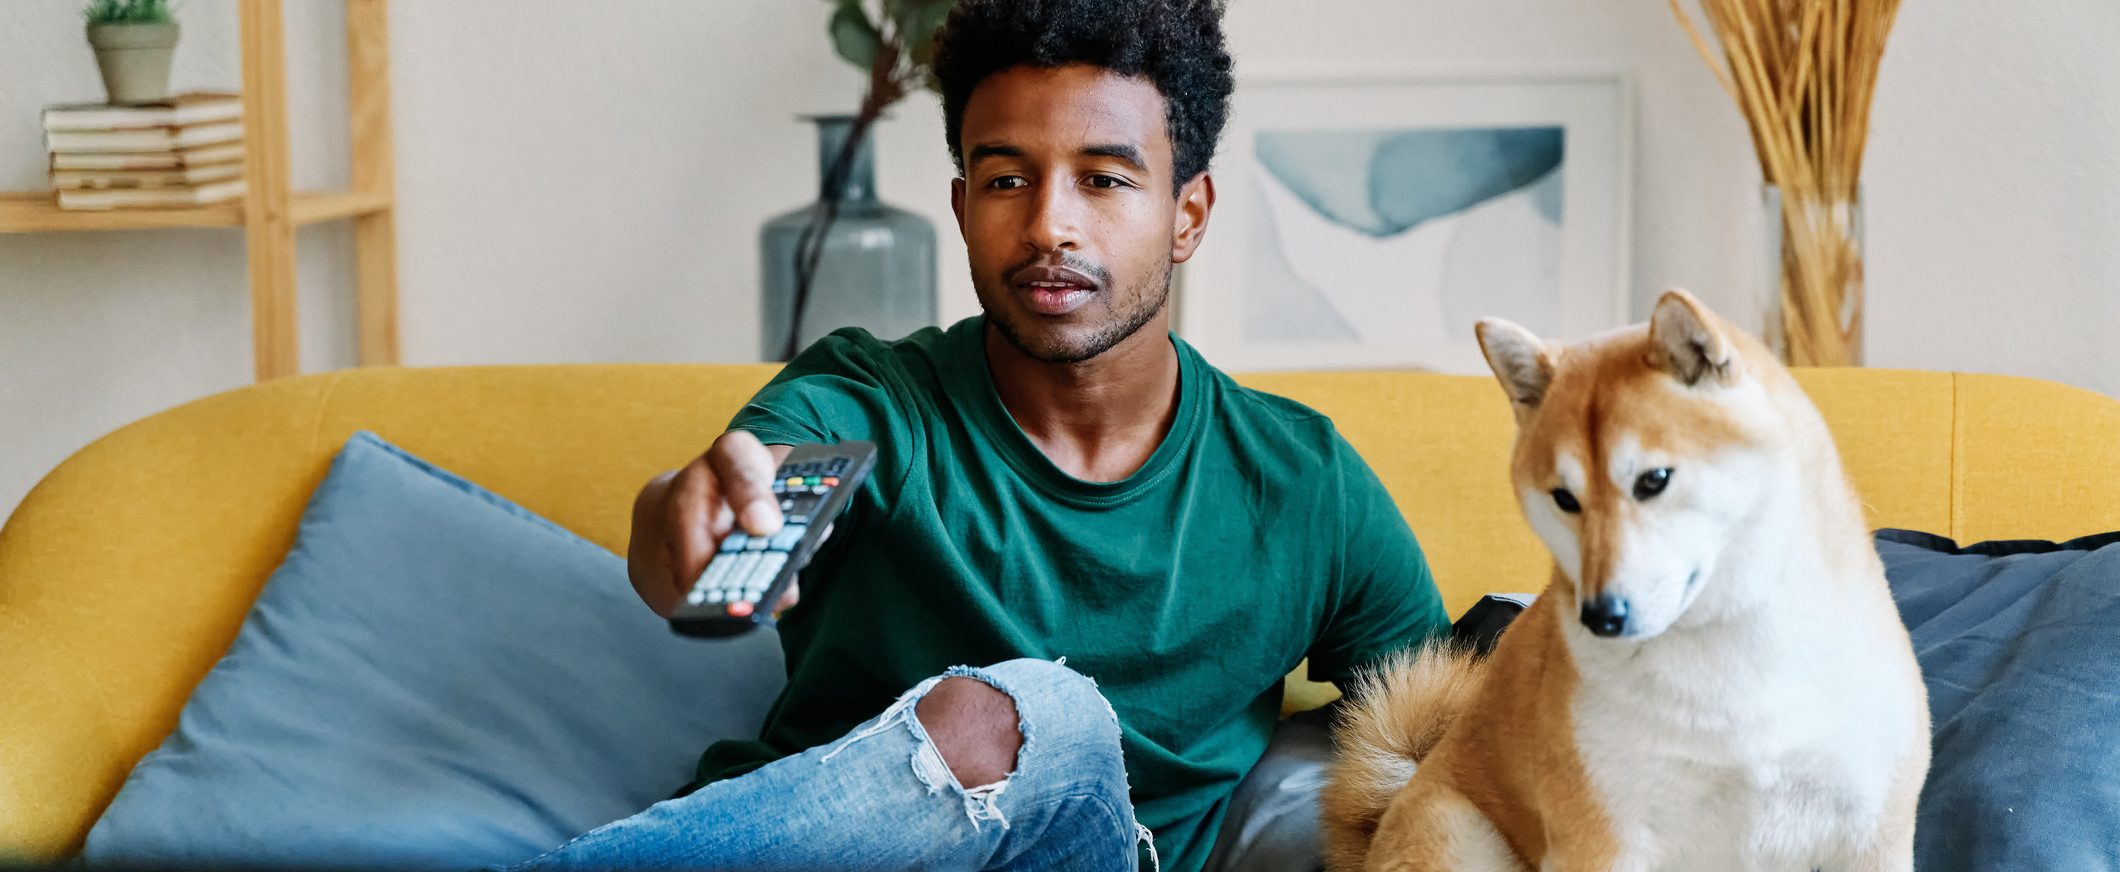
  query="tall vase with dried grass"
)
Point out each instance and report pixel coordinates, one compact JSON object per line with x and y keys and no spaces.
{"x":1802,"y":72}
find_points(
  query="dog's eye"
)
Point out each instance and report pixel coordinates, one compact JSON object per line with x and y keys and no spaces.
{"x":1652,"y":483}
{"x":1566,"y":500}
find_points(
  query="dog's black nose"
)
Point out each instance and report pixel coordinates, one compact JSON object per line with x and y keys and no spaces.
{"x":1605,"y":615}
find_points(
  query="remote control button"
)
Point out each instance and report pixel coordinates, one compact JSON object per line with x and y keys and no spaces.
{"x":794,"y":481}
{"x":715,"y":596}
{"x":740,"y":609}
{"x":831,"y":481}
{"x":779,"y":486}
{"x":740,"y":570}
{"x":735,"y":542}
{"x":767,"y":569}
{"x":718,"y":570}
{"x":696,"y":597}
{"x":752,"y":596}
{"x":813,"y":480}
{"x":757,"y":543}
{"x":786,"y":539}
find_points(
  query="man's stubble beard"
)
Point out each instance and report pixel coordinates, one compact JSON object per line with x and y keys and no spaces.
{"x":1126,"y":324}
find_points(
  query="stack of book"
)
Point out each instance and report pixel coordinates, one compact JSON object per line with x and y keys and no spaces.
{"x":183,"y":151}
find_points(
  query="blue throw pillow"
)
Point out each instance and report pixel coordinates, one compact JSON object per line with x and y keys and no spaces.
{"x":435,"y":677}
{"x":2019,"y":644}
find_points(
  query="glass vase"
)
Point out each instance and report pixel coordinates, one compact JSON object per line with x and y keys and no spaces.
{"x":1814,"y":275}
{"x":877,"y":268}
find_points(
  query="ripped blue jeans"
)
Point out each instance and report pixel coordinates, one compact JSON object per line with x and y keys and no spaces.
{"x":881,"y":798}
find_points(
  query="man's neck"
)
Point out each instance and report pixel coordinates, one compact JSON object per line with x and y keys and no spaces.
{"x":1102,"y":418}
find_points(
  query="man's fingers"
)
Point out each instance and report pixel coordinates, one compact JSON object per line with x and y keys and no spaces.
{"x":743,"y":467}
{"x":695,"y":521}
{"x":649,"y":550}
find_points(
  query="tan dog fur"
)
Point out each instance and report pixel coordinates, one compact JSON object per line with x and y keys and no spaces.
{"x":1763,"y":709}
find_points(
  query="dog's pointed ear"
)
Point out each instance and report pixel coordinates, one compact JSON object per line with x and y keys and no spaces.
{"x":1521,"y":361}
{"x":1689,"y":342}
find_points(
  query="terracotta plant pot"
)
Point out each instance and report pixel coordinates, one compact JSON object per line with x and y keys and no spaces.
{"x":134,"y":59}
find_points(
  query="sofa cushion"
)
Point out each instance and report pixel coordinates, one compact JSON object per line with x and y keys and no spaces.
{"x":433,"y":677}
{"x":2019,"y":644}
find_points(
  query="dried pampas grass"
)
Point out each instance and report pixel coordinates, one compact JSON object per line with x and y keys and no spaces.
{"x":1803,"y":72}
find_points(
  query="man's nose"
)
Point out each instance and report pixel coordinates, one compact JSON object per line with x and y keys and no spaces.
{"x":1054,"y":223}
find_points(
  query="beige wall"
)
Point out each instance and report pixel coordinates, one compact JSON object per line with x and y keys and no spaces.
{"x":584,"y":182}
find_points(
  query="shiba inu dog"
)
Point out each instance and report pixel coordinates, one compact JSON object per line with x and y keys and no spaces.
{"x":1716,"y":678}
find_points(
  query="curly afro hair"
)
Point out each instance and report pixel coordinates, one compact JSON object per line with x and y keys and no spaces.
{"x":1174,"y":44}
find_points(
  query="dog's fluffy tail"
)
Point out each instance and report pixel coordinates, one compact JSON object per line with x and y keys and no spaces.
{"x":1400,"y":712}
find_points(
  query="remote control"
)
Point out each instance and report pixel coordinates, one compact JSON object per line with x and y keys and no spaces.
{"x":749,"y":574}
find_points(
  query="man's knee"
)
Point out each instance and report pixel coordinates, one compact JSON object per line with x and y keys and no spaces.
{"x":975,"y":728}
{"x":1056,"y":691}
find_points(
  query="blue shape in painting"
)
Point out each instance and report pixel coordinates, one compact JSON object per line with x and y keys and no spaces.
{"x":1411,"y":175}
{"x":1367,"y":235}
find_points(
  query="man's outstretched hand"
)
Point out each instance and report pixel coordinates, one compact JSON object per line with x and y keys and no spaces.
{"x":682,"y":515}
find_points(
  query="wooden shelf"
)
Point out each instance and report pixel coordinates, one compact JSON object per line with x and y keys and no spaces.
{"x":38,"y":211}
{"x":270,"y":209}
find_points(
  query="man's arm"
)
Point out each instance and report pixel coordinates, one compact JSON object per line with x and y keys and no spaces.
{"x":1382,"y":598}
{"x":832,"y":392}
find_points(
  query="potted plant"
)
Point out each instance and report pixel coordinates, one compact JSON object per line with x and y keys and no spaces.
{"x":134,"y":42}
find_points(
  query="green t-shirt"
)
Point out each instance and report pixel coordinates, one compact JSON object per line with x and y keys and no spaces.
{"x":1253,"y":537}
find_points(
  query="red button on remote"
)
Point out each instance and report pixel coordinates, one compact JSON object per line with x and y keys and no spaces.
{"x":740,"y":609}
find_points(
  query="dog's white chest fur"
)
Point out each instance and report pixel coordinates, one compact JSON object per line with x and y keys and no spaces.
{"x":1780,"y":768}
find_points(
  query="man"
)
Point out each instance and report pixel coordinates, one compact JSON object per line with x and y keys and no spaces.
{"x":1069,"y":504}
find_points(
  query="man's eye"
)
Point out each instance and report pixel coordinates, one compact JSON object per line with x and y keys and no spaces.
{"x":1006,"y":182}
{"x":1103,"y":181}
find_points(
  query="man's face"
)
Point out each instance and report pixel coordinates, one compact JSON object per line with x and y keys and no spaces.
{"x":1066,"y":208}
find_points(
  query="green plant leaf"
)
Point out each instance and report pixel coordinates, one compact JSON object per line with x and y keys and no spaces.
{"x":922,"y":25}
{"x":127,"y":12}
{"x":854,"y":36}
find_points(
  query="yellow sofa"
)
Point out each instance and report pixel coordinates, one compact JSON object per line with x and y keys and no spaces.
{"x":126,"y":573}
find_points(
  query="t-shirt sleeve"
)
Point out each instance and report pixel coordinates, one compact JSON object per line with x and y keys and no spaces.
{"x":840,"y":388}
{"x":1383,"y":599}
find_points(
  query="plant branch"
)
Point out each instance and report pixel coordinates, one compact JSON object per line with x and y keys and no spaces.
{"x":895,"y":70}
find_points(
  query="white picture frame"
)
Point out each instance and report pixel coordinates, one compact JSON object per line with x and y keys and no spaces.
{"x":1384,"y":278}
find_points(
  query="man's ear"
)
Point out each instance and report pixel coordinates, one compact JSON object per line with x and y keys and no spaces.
{"x":957,"y":203}
{"x":1521,"y":362}
{"x":1189,"y":226}
{"x":1688,"y":341}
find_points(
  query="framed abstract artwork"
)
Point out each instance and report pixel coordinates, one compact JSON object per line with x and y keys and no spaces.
{"x":1367,"y":221}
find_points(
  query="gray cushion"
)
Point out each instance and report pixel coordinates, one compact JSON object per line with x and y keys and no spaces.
{"x":434,"y":677}
{"x":1272,"y":824}
{"x":2019,"y":644}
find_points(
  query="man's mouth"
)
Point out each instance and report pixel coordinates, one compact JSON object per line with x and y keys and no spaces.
{"x":1054,"y":290}
{"x":1048,"y":299}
